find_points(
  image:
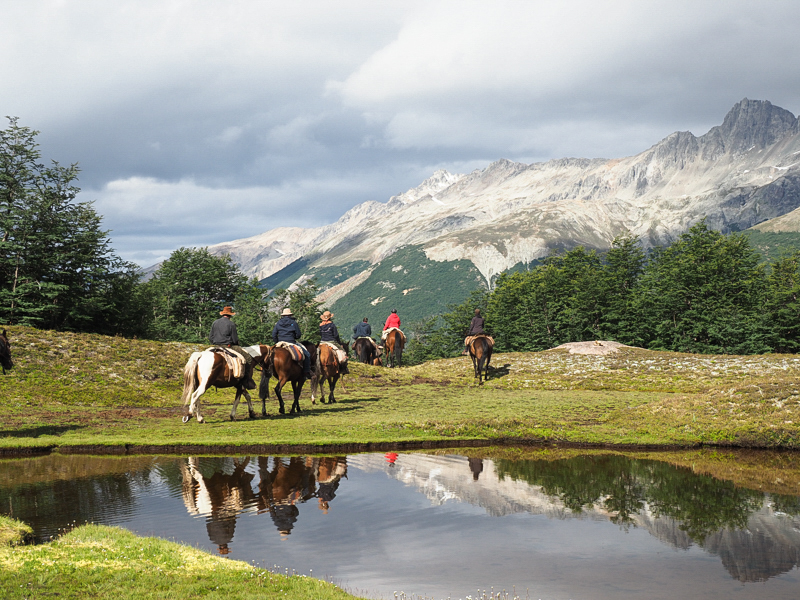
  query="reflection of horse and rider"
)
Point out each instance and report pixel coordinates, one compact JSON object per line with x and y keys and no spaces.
{"x":285,"y":483}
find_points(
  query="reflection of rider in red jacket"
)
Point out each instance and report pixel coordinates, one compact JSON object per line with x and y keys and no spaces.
{"x":392,"y":321}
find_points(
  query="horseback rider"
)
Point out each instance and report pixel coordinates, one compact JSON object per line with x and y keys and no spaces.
{"x":330,"y":334}
{"x":223,"y":333}
{"x":392,"y":321}
{"x":287,"y":330}
{"x":364,"y":330}
{"x":476,"y":327}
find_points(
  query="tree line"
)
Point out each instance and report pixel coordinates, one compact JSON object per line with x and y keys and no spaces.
{"x":706,"y":293}
{"x":58,"y":269}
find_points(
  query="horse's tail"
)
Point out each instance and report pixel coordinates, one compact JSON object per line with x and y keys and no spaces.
{"x":266,"y":373}
{"x":263,"y":386}
{"x":398,"y":347}
{"x":190,"y":377}
{"x":483,"y":360}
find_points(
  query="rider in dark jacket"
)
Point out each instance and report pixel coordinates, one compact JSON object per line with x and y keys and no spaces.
{"x":329,"y":333}
{"x":363,"y":329}
{"x":475,"y":328}
{"x":287,"y":330}
{"x":223,"y":333}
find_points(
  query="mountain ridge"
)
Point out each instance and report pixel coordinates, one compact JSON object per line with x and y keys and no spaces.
{"x":740,"y":173}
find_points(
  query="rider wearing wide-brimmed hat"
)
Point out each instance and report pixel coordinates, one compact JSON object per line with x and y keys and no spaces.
{"x":223,"y":333}
{"x":330,"y":334}
{"x":287,"y":330}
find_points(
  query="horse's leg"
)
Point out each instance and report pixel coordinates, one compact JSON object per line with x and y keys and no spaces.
{"x":332,"y":385}
{"x":263,"y":390}
{"x":297,"y":387}
{"x":251,"y":414}
{"x":194,"y":404}
{"x":235,"y":403}
{"x":278,"y":388}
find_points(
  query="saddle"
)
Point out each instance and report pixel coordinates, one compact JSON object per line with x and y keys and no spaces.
{"x":295,"y":351}
{"x":471,"y":338}
{"x":341,"y":355}
{"x":390,"y":330}
{"x":233,"y":359}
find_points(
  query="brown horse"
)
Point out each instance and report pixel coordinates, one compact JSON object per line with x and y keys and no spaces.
{"x":327,"y":370}
{"x":480,"y":350}
{"x":208,"y":368}
{"x":394,"y":348}
{"x":285,"y":369}
{"x":365,"y":350}
{"x":5,"y":352}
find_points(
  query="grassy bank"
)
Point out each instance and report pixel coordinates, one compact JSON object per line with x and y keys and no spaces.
{"x":72,"y":391}
{"x":95,"y":561}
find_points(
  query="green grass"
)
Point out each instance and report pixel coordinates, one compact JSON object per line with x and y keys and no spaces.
{"x":70,"y":391}
{"x":95,"y":561}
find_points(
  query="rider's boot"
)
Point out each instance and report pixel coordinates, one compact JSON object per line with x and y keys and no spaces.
{"x":307,"y":367}
{"x":466,"y":351}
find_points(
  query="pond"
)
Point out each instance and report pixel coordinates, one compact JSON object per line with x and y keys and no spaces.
{"x":449,"y":525}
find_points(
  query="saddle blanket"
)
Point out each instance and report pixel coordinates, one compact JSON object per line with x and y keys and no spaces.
{"x":391,"y":329}
{"x":341,"y":355}
{"x":471,"y":338}
{"x":297,"y":352}
{"x":233,"y":359}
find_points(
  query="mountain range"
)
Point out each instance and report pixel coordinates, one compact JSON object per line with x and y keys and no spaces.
{"x":453,"y":233}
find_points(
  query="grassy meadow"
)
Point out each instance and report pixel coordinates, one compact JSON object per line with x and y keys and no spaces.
{"x":95,"y":561}
{"x":81,"y":392}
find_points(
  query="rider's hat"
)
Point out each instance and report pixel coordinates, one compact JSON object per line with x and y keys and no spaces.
{"x":287,"y":312}
{"x":227,"y":312}
{"x":326,"y":316}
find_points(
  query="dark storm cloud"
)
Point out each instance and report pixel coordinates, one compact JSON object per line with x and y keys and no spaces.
{"x":196,"y":123}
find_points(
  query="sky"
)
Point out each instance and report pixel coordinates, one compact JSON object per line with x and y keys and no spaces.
{"x":196,"y":122}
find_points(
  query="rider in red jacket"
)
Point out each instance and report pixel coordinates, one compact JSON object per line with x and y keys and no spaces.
{"x":392,"y":321}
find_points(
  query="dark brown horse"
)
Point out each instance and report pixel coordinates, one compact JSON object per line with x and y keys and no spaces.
{"x":327,"y":370}
{"x":393,"y":345}
{"x":365,"y":350}
{"x":5,"y":352}
{"x":285,"y":369}
{"x":480,"y":350}
{"x":208,"y":368}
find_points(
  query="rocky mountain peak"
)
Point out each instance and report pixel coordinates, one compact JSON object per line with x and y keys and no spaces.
{"x":753,"y":123}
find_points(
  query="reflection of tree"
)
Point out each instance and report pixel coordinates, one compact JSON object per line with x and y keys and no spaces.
{"x":222,"y":497}
{"x":701,"y":504}
{"x":51,"y":506}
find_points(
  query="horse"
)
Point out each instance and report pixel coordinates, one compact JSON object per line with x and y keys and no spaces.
{"x":394,"y":348}
{"x":5,"y":352}
{"x":327,"y":370}
{"x":365,"y":351}
{"x":285,"y":369}
{"x":208,"y":368}
{"x":480,"y":350}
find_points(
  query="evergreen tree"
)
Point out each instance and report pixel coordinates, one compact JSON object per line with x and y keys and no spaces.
{"x":704,"y":293}
{"x":57,"y":268}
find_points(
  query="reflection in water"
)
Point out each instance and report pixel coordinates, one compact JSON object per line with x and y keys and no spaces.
{"x":755,"y":535}
{"x":283,"y":484}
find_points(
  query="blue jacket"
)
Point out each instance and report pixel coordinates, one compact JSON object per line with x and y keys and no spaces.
{"x":286,"y":330}
{"x":329,"y":333}
{"x":362,"y":330}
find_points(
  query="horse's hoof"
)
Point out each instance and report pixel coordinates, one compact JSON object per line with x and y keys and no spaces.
{"x":201,"y":420}
{"x":186,"y":418}
{"x":264,"y":414}
{"x":232,"y":418}
{"x":282,"y":411}
{"x":252,"y":415}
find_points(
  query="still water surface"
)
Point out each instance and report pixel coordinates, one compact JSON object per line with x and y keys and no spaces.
{"x":601,"y":526}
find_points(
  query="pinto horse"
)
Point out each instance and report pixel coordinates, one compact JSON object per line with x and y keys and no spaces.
{"x":394,"y":348}
{"x":208,"y":368}
{"x":285,"y":369}
{"x":5,"y":352}
{"x":480,"y":350}
{"x":365,"y":351}
{"x":327,"y":370}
